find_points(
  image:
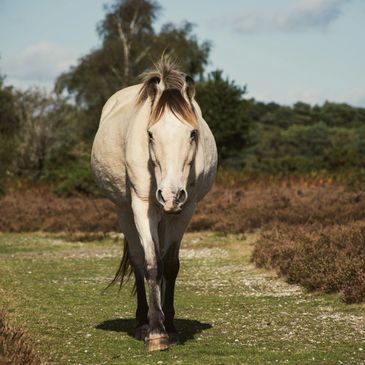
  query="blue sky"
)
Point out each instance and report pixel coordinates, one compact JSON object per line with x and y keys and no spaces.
{"x":284,"y":50}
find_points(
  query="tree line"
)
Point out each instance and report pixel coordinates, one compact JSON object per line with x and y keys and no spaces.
{"x":47,"y":136}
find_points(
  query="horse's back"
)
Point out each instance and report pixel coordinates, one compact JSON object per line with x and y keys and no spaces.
{"x":118,"y":102}
{"x":207,"y":157}
{"x":108,"y":152}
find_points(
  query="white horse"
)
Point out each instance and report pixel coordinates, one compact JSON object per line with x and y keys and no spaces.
{"x":155,"y":157}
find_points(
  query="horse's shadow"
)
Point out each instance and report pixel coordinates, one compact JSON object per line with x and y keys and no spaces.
{"x":186,"y":328}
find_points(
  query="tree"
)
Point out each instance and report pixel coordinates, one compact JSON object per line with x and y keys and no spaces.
{"x":8,"y":119}
{"x":126,"y":24}
{"x":9,"y":125}
{"x":223,"y":107}
{"x":129,"y":45}
{"x":46,"y":126}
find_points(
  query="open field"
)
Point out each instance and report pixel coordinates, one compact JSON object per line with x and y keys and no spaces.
{"x":313,"y":229}
{"x":228,"y":311}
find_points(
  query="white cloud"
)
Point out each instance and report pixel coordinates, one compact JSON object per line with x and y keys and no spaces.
{"x":38,"y":64}
{"x":303,"y":15}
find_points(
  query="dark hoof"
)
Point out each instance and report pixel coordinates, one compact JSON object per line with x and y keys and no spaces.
{"x":174,"y":338}
{"x":141,"y":332}
{"x":157,"y":343}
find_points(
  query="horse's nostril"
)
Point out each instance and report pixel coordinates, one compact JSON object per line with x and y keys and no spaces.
{"x":181,"y":196}
{"x":160,"y":197}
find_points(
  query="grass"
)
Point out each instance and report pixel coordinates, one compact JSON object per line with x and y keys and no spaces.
{"x":228,"y":311}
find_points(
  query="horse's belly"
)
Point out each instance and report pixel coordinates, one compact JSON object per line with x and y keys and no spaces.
{"x":107,"y":162}
{"x":111,"y":179}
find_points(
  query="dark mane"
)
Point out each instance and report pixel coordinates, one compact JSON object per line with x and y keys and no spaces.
{"x":166,"y":86}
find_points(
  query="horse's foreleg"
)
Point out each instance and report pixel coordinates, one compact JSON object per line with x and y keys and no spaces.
{"x":172,"y":229}
{"x":142,"y":306}
{"x":146,"y":220}
{"x":171,"y":269}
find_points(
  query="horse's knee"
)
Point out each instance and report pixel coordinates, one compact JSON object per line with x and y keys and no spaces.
{"x":154,"y":272}
{"x":151,"y":272}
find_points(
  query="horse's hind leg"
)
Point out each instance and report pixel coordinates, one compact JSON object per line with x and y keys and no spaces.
{"x":135,"y":250}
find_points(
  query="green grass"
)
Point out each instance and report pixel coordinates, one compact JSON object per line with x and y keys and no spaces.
{"x":228,"y":312}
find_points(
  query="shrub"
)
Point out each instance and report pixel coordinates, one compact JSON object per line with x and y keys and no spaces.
{"x":224,"y":109}
{"x":76,"y":178}
{"x":330,"y":259}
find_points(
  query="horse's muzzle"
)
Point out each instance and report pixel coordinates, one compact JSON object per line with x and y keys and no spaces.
{"x":172,"y":202}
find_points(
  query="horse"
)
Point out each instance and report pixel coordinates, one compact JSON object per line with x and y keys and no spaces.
{"x":155,"y":157}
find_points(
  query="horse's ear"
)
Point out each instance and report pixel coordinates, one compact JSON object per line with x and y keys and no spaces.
{"x":151,"y":87}
{"x":190,"y":87}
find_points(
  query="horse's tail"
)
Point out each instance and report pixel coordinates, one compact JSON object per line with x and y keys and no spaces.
{"x":125,"y":269}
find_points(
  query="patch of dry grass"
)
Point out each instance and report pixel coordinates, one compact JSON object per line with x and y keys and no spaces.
{"x":226,"y":209}
{"x":14,"y":346}
{"x":239,"y":210}
{"x":37,"y":209}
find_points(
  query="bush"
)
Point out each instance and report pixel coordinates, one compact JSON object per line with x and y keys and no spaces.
{"x":330,"y":259}
{"x":75,"y":178}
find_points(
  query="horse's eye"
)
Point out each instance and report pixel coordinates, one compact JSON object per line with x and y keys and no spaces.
{"x":193,"y":134}
{"x":150,"y":136}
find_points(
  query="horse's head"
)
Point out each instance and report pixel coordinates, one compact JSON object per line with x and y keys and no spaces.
{"x":172,"y":136}
{"x":172,"y":146}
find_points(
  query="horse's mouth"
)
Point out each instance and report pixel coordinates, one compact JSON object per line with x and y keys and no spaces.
{"x":173,"y":212}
